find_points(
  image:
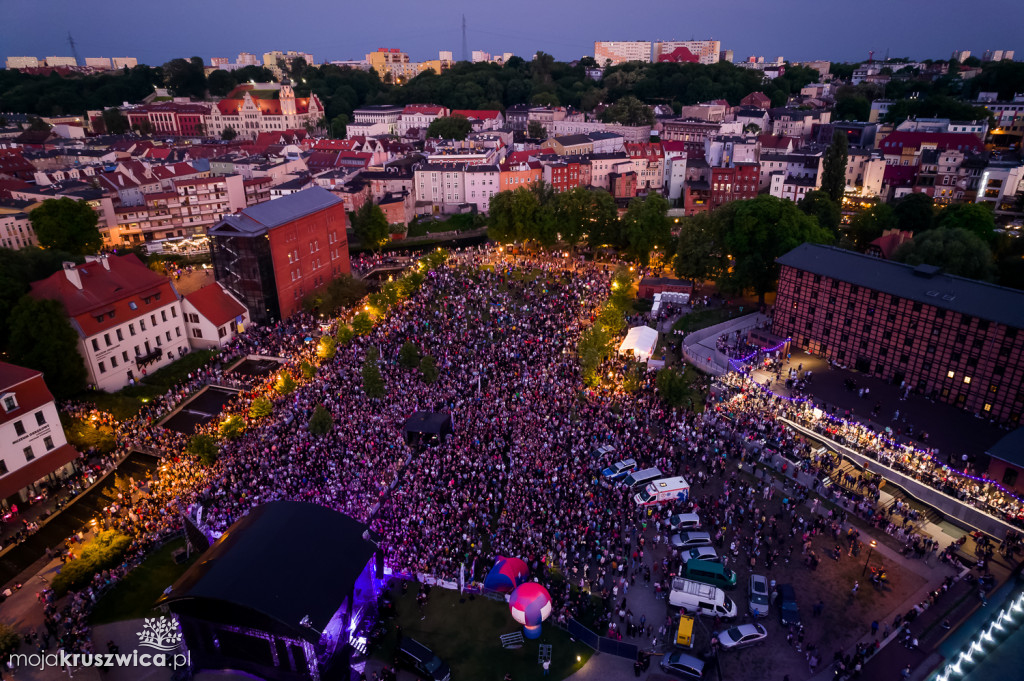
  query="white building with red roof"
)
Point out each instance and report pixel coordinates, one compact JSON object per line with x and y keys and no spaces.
{"x":33,"y":448}
{"x":249,"y":111}
{"x":213,"y":316}
{"x":128,"y":318}
{"x":482,"y":119}
{"x":419,"y":117}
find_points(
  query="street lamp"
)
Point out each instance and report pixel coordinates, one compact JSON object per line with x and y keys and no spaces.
{"x":871,"y":547}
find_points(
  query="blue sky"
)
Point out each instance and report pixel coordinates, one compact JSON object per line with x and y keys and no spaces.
{"x":839,"y":30}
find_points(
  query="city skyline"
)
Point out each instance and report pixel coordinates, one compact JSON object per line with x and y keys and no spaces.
{"x":556,"y":28}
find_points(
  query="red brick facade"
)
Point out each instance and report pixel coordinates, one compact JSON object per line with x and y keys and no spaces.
{"x":734,"y":184}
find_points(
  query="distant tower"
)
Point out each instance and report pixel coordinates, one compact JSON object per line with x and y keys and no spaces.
{"x":287,"y":98}
{"x":465,"y":45}
{"x":871,"y":56}
{"x":74,"y":50}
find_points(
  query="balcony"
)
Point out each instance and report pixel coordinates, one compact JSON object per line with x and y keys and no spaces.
{"x":154,"y":355}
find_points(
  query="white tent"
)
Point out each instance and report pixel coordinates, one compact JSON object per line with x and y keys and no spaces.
{"x":642,"y":340}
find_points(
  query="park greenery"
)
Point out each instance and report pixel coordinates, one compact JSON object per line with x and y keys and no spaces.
{"x":232,"y":427}
{"x":321,"y":421}
{"x":261,"y":408}
{"x":103,"y":551}
{"x":285,"y":384}
{"x":370,"y":226}
{"x":597,"y":343}
{"x":67,"y":225}
{"x":41,"y":338}
{"x":204,"y":448}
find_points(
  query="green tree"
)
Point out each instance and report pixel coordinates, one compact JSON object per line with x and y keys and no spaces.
{"x":915,"y":213}
{"x":41,"y":338}
{"x":761,"y":230}
{"x":428,"y":369}
{"x":362,"y":324}
{"x":449,"y":127}
{"x":261,"y":408}
{"x":67,"y":225}
{"x":605,"y":226}
{"x":536,"y":130}
{"x":105,"y":550}
{"x":869,"y":224}
{"x":373,"y":382}
{"x":326,"y":348}
{"x":632,"y":376}
{"x":186,"y":77}
{"x":307,"y":370}
{"x":220,"y":83}
{"x":833,"y":173}
{"x":956,"y":251}
{"x":699,"y":250}
{"x":342,"y":292}
{"x":409,"y":355}
{"x":818,"y":205}
{"x":646,"y":227}
{"x":285,"y":384}
{"x":228,"y":133}
{"x":339,"y":126}
{"x":321,"y":421}
{"x":344,"y":334}
{"x":114,"y":122}
{"x":10,"y":640}
{"x":976,"y":218}
{"x":232,"y":427}
{"x":629,"y":111}
{"x":514,"y":216}
{"x":17,"y":270}
{"x":673,"y":388}
{"x":204,"y":448}
{"x":370,"y":226}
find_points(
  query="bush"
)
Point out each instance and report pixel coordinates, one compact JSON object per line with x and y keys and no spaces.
{"x":362,"y":324}
{"x":343,"y":292}
{"x":285,"y":384}
{"x":344,"y":335}
{"x":232,"y":427}
{"x":10,"y":640}
{"x":261,"y":408}
{"x":409,"y":355}
{"x":204,"y":448}
{"x":373,"y":382}
{"x":308,"y":370}
{"x":327,"y":348}
{"x":85,"y":435}
{"x":321,"y":422}
{"x":103,"y":551}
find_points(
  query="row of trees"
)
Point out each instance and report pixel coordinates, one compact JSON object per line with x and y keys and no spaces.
{"x":580,"y":215}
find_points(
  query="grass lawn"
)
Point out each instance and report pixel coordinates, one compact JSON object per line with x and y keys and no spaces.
{"x":465,"y":635}
{"x":133,"y":598}
{"x":705,"y":318}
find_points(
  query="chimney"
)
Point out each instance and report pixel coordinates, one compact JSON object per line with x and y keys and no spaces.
{"x":72,"y":274}
{"x":101,"y":259}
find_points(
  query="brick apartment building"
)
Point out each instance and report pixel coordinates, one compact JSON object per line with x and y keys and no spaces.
{"x":735,"y":183}
{"x":954,"y":339}
{"x":271,"y":255}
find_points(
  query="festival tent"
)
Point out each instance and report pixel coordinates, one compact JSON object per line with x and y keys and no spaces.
{"x":641,"y":340}
{"x":425,"y":425}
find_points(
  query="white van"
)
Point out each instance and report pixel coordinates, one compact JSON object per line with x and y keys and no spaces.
{"x":637,"y":478}
{"x":701,"y":598}
{"x":662,"y":490}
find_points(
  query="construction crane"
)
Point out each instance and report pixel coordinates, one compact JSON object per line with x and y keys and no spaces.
{"x":74,"y":50}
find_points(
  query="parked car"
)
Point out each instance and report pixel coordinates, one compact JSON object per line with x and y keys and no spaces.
{"x":682,"y":665}
{"x":690,"y":540}
{"x":757,"y":591}
{"x":682,"y":522}
{"x":619,"y":469}
{"x":789,"y":612}
{"x":741,"y":636}
{"x":414,"y":654}
{"x":707,"y":553}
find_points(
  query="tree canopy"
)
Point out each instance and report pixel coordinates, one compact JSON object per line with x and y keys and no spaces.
{"x":976,"y":218}
{"x":646,"y":227}
{"x":67,"y":225}
{"x":955,"y":250}
{"x":41,"y":338}
{"x":761,"y":230}
{"x":449,"y":127}
{"x":915,"y":212}
{"x":869,"y":224}
{"x":824,"y":209}
{"x":833,"y":173}
{"x":370,"y":226}
{"x":700,"y":253}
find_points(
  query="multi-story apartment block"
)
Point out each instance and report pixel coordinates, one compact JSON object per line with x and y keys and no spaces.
{"x":612,"y":52}
{"x":128,"y":317}
{"x":13,"y":63}
{"x":271,"y":255}
{"x":16,"y":230}
{"x":734,"y":183}
{"x":705,"y":51}
{"x":1001,"y":183}
{"x":418,"y":117}
{"x":563,"y":174}
{"x":442,"y":185}
{"x":520,"y":174}
{"x":482,"y":182}
{"x":603,"y":165}
{"x":33,"y":448}
{"x":393,"y":65}
{"x":162,"y":118}
{"x":648,"y":163}
{"x":250,"y":110}
{"x":193,"y":206}
{"x":952,"y":339}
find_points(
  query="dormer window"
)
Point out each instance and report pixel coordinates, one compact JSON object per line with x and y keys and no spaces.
{"x":10,"y":402}
{"x":132,"y":305}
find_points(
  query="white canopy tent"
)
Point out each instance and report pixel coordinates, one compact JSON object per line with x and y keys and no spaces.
{"x":642,"y":340}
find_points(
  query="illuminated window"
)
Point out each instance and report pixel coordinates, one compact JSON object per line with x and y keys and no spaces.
{"x":967,"y":379}
{"x":949,"y":374}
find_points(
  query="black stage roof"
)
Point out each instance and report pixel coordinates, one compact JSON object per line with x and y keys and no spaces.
{"x":285,"y":560}
{"x":431,"y":422}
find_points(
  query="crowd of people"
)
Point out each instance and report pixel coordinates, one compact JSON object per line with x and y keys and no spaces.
{"x":518,"y":477}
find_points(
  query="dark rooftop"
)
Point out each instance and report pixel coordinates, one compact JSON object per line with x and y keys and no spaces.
{"x":1010,"y":448}
{"x":924,"y":285}
{"x":265,"y":216}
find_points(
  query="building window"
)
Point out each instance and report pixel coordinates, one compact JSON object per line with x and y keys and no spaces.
{"x":103,"y":368}
{"x":131,"y":329}
{"x":48,"y":442}
{"x":120,"y":336}
{"x":95,"y":345}
{"x":29,"y":454}
{"x":950,"y":374}
{"x":19,"y":428}
{"x":967,"y":379}
{"x":3,"y":467}
{"x":40,"y":418}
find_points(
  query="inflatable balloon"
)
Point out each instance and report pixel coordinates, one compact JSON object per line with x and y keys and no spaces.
{"x":530,"y":604}
{"x":506,"y":575}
